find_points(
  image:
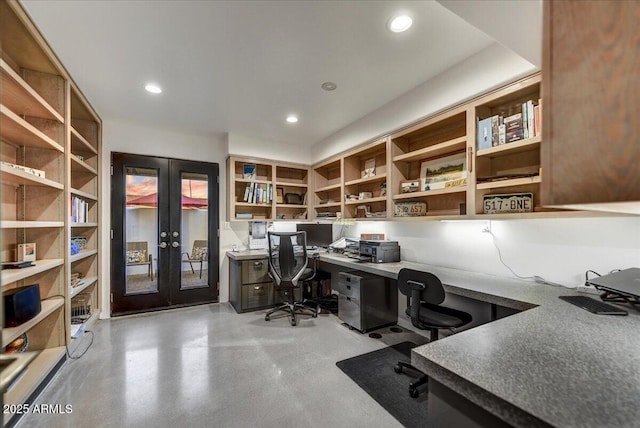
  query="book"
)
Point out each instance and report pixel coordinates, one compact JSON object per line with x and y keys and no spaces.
{"x":513,"y":122}
{"x":502,"y":134}
{"x":249,"y":171}
{"x":495,"y":123}
{"x":485,"y":133}
{"x":246,"y":192}
{"x":514,"y":135}
{"x":525,"y":121}
{"x":530,"y":119}
{"x":536,"y":120}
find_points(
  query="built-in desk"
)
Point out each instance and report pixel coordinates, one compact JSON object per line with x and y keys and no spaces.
{"x":553,"y":364}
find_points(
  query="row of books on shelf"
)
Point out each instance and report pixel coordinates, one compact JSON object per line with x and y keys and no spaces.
{"x":500,"y":129}
{"x":79,"y":210}
{"x":258,"y":193}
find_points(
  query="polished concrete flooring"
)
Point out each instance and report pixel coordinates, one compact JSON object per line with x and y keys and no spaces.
{"x":207,"y":366}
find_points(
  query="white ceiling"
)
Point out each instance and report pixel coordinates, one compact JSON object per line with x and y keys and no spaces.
{"x":242,"y":66}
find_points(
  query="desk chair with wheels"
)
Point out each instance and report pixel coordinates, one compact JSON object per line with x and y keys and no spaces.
{"x":288,"y":268}
{"x":424,"y":293}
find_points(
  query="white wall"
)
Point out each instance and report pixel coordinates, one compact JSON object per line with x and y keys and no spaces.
{"x":119,"y":136}
{"x":559,"y":250}
{"x":249,"y":146}
{"x":488,"y":69}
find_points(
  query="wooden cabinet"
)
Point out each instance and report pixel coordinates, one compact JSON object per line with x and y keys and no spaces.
{"x":46,"y":159}
{"x":591,"y":87}
{"x":256,"y":196}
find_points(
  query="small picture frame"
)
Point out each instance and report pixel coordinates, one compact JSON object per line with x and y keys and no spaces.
{"x":369,"y":168}
{"x":279,"y":195}
{"x":249,"y":171}
{"x":409,"y":186}
{"x":27,"y":252}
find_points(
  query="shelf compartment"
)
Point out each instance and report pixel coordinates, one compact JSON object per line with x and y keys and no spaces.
{"x":35,"y":373}
{"x":82,"y":255}
{"x":21,"y":98}
{"x":15,"y":224}
{"x":80,"y":166}
{"x":440,"y":149}
{"x":291,"y":176}
{"x":509,"y":183}
{"x":87,"y":282}
{"x":18,"y":177}
{"x":510,"y":148}
{"x":9,"y":334}
{"x":80,"y":144}
{"x":13,"y":275}
{"x":374,"y":179}
{"x":16,"y":130}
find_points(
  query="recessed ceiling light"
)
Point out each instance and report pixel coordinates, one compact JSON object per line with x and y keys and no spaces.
{"x":154,"y":89}
{"x":399,"y":23}
{"x":292,"y":118}
{"x":329,"y":86}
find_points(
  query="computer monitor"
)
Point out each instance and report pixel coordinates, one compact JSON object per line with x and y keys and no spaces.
{"x":318,"y":235}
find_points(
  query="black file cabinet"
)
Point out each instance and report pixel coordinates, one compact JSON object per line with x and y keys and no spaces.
{"x":366,"y":301}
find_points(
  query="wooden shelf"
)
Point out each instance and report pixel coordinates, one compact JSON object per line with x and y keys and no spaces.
{"x":296,"y":206}
{"x":249,"y":204}
{"x":80,"y":166}
{"x":374,"y":179}
{"x":87,"y":282}
{"x":287,"y":184}
{"x":509,"y":183}
{"x":15,"y":224}
{"x":80,"y":144}
{"x":18,"y":177}
{"x":509,"y":148}
{"x":16,"y":130}
{"x":327,"y":188}
{"x":13,"y":275}
{"x":21,"y":98}
{"x":242,"y":180}
{"x":35,"y":373}
{"x":9,"y":334}
{"x":84,"y":224}
{"x":82,"y":255}
{"x":365,"y":201}
{"x":418,"y":195}
{"x":457,"y":144}
{"x":84,"y":195}
{"x":333,"y":204}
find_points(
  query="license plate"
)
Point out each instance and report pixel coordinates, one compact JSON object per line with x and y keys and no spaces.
{"x":410,"y":209}
{"x":509,"y":203}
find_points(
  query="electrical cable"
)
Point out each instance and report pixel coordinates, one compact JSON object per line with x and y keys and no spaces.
{"x":536,"y":278}
{"x":66,"y":347}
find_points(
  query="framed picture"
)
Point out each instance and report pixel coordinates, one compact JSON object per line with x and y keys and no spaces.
{"x":27,"y":252}
{"x":447,"y":171}
{"x":369,"y":168}
{"x":279,"y":195}
{"x":409,"y":186}
{"x":249,"y":171}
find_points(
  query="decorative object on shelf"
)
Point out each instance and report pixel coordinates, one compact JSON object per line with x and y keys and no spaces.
{"x":37,"y":172}
{"x":21,"y":304}
{"x":76,"y":279}
{"x":348,"y":198}
{"x":383,"y":189}
{"x":27,"y":252}
{"x":410,"y":209}
{"x":369,"y":168}
{"x":362,"y":210}
{"x":508,"y":203}
{"x":293,"y":199}
{"x":279,"y":195}
{"x":75,"y":249}
{"x":377,"y":214}
{"x":249,"y":171}
{"x":80,"y":309}
{"x":447,"y":171}
{"x":21,"y":344}
{"x":409,"y":186}
{"x":372,"y":236}
{"x":80,"y":241}
{"x":365,"y":195}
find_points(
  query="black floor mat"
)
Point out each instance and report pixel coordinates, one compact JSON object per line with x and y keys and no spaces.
{"x":374,"y":373}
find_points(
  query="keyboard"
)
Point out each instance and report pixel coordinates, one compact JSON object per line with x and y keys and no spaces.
{"x":592,"y":305}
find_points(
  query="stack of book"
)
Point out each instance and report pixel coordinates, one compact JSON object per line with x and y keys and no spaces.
{"x":258,"y":193}
{"x":79,"y":210}
{"x":502,"y":129}
{"x":76,"y":279}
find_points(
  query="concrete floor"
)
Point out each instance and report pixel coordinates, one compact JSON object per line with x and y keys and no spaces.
{"x":207,"y":366}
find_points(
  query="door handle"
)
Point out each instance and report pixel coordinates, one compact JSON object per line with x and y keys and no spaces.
{"x":162,"y":245}
{"x":175,"y":244}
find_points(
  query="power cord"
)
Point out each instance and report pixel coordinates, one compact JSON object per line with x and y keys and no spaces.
{"x":536,"y":278}
{"x":66,"y":347}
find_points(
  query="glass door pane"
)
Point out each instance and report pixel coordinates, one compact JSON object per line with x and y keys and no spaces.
{"x":141,"y":230}
{"x":194,"y":230}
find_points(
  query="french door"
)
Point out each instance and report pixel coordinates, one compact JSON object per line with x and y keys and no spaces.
{"x":165,"y":225}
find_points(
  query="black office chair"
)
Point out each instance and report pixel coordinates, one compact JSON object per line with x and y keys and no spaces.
{"x":288,"y":268}
{"x":424,"y":293}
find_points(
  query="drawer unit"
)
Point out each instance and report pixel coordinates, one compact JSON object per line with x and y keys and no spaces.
{"x":257,"y":295}
{"x":255,"y":271}
{"x":366,"y":301}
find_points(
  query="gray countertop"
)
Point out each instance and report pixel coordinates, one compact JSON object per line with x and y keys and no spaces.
{"x":552,"y":364}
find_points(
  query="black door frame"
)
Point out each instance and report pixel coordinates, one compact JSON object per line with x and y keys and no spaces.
{"x":169,"y":295}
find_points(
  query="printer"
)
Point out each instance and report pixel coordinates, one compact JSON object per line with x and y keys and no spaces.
{"x":379,"y":251}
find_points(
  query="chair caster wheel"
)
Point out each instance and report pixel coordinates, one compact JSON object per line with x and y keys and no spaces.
{"x":315,"y":315}
{"x":267,"y":318}
{"x":413,"y":392}
{"x":397,"y":368}
{"x":293,"y":323}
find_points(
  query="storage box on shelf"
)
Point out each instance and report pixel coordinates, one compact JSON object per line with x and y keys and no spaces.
{"x":505,"y":167}
{"x":38,"y":147}
{"x":328,"y":196}
{"x":365,"y":182}
{"x":437,"y":138}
